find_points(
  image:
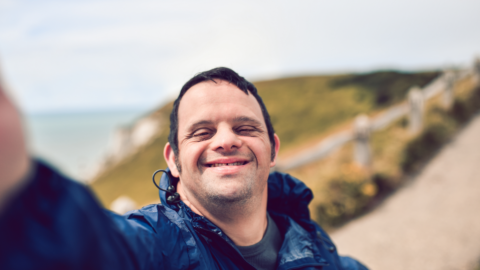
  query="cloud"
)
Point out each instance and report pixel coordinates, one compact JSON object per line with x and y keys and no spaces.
{"x":61,"y":55}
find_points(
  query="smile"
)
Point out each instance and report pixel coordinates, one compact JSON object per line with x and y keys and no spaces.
{"x":228,"y":164}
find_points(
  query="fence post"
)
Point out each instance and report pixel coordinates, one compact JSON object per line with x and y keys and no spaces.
{"x":416,"y":102}
{"x":447,"y":97}
{"x":362,"y":131}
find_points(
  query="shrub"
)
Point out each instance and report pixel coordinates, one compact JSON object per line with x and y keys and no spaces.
{"x":439,"y":128}
{"x":347,"y":194}
{"x":464,"y":108}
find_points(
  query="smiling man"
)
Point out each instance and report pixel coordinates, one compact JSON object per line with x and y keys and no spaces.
{"x":221,"y":208}
{"x":223,"y":157}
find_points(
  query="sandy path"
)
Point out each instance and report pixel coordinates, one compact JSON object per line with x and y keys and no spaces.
{"x":431,"y":223}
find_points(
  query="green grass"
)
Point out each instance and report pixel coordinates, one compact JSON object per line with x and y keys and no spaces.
{"x":301,"y":108}
{"x":304,"y":107}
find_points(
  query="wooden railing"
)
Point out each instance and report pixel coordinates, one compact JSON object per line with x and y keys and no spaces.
{"x":363,"y":126}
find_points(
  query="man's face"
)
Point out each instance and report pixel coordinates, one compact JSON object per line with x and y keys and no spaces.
{"x":224,"y":148}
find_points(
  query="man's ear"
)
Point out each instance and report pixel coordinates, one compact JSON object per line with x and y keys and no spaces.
{"x":277,"y":147}
{"x":169,"y":156}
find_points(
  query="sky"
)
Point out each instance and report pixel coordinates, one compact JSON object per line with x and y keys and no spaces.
{"x":72,"y":55}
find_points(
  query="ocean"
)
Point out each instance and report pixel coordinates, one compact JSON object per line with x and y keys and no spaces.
{"x":75,"y":143}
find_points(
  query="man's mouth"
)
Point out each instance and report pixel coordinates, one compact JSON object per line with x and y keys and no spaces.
{"x":227,"y":164}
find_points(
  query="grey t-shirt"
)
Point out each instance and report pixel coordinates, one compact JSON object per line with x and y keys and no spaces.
{"x":263,"y":255}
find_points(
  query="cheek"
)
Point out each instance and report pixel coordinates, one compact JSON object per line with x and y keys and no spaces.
{"x":190,"y":154}
{"x":261,"y":148}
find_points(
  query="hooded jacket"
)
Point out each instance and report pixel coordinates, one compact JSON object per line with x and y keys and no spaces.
{"x":56,"y":223}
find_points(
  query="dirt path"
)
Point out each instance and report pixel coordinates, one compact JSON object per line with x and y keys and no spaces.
{"x":431,"y":223}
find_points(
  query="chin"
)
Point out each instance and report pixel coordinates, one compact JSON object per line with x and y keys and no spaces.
{"x":230,"y":194}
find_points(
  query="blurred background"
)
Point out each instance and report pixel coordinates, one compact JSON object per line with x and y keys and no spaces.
{"x":95,"y":81}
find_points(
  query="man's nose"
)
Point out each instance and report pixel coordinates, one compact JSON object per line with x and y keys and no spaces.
{"x":226,"y":139}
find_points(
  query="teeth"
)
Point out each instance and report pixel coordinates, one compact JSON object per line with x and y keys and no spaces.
{"x":226,"y":164}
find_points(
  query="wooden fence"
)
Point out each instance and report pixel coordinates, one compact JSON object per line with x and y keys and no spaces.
{"x":363,"y":126}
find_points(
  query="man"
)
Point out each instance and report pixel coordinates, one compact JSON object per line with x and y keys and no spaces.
{"x":231,"y":212}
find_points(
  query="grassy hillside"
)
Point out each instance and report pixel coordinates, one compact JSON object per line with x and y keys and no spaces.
{"x":304,"y":107}
{"x":343,"y":190}
{"x":301,"y":108}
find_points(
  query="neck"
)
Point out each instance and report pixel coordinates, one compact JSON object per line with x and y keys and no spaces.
{"x":245,"y":224}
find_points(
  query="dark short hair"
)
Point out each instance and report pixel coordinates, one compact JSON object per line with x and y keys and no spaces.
{"x":226,"y":74}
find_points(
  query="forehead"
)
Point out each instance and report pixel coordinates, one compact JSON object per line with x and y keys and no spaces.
{"x":217,"y":101}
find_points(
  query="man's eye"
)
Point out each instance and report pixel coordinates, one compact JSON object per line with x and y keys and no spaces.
{"x":201,"y":133}
{"x":246,"y":130}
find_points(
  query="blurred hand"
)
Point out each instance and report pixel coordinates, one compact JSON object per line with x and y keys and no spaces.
{"x":14,"y":159}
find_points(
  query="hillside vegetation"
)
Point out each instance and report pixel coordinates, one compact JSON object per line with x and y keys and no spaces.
{"x":301,"y":108}
{"x":343,"y":190}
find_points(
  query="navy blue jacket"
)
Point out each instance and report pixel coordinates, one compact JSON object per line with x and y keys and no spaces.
{"x":56,"y":223}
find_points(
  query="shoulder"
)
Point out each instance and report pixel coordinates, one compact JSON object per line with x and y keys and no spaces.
{"x":158,"y":233}
{"x":153,"y":218}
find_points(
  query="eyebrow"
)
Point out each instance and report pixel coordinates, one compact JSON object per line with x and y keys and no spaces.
{"x":242,"y":119}
{"x":238,"y":119}
{"x":200,"y":123}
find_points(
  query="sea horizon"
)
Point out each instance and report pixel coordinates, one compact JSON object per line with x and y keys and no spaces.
{"x":75,"y":142}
